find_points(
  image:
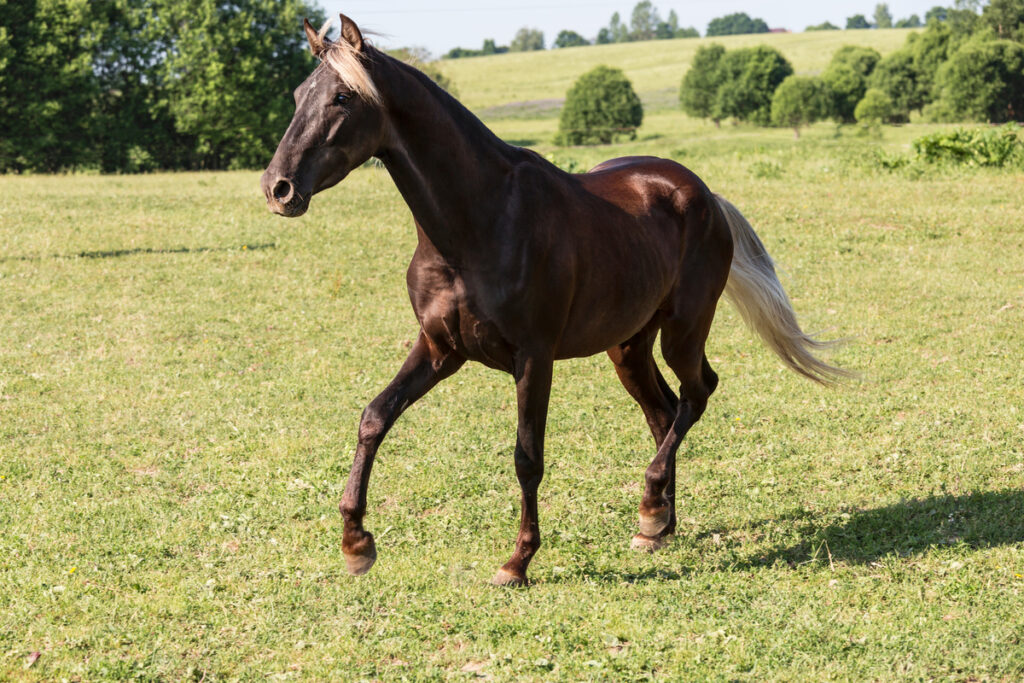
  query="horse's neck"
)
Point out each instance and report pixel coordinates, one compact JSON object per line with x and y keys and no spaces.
{"x":450,"y":169}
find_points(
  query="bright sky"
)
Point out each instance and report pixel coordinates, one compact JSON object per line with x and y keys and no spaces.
{"x":443,"y":24}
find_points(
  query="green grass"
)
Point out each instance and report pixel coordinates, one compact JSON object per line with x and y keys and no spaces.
{"x":655,"y":67}
{"x":181,"y":376}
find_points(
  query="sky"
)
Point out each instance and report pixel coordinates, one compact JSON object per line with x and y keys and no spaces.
{"x":440,"y":25}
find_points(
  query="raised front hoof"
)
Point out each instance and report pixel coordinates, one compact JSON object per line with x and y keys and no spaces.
{"x":360,"y":561}
{"x":506,"y":578}
{"x":648,"y":544}
{"x":652,"y":525}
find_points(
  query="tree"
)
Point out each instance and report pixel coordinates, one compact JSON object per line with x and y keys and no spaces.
{"x":984,"y":81}
{"x":913,"y":21}
{"x":826,"y":26}
{"x":930,"y":49}
{"x":749,"y":77}
{"x":700,"y":84}
{"x":599,"y":107}
{"x":734,"y":24}
{"x":937,"y":13}
{"x":1005,"y":18}
{"x":896,"y":76}
{"x":568,"y":38}
{"x":883,"y":18}
{"x":862,"y":59}
{"x":857,"y":21}
{"x":644,"y":22}
{"x":617,"y":31}
{"x":798,"y":101}
{"x":527,"y":40}
{"x":228,"y":80}
{"x":874,"y":108}
{"x":845,"y":86}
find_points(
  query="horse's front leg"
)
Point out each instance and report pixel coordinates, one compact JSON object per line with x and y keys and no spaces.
{"x":533,"y":388}
{"x":425,"y":367}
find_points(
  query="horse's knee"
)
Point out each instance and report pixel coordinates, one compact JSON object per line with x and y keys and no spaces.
{"x":373,"y":424}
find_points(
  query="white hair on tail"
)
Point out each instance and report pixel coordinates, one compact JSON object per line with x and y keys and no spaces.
{"x":348,"y":63}
{"x":755,"y":290}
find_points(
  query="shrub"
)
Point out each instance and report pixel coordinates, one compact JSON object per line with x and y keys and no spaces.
{"x":700,"y":84}
{"x":749,"y":77}
{"x":984,"y":81}
{"x":979,"y":147}
{"x":898,"y":78}
{"x":599,"y":107}
{"x":874,"y":108}
{"x":798,"y":101}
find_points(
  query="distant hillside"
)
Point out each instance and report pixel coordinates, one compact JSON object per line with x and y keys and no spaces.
{"x":655,"y":67}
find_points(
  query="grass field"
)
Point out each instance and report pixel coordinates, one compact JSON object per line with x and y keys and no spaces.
{"x":181,"y":376}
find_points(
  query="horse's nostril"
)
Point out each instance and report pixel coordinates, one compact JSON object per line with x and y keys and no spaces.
{"x":282,"y":190}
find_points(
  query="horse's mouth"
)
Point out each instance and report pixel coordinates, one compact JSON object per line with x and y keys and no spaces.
{"x":293,"y":208}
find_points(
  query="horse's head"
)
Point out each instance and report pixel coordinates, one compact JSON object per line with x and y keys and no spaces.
{"x":338,"y":122}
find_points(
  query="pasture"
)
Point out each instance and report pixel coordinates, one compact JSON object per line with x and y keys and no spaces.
{"x":182,"y":373}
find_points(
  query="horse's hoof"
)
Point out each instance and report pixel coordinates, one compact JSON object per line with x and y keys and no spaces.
{"x":648,"y":544}
{"x":507,"y":578}
{"x":360,"y":563}
{"x":653,"y":525}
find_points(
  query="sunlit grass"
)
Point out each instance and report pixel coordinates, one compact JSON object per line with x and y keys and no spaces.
{"x":181,"y":375}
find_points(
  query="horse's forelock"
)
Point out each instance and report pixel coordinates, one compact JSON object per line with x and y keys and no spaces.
{"x":349,"y":64}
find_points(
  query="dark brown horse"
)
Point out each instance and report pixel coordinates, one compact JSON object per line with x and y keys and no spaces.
{"x":520,"y":264}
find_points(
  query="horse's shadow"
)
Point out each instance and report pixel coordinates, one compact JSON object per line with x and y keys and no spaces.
{"x":903,"y":529}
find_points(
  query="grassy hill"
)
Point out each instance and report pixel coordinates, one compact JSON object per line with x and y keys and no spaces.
{"x":655,"y":67}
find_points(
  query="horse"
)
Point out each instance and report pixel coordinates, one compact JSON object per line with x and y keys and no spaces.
{"x":519,"y":264}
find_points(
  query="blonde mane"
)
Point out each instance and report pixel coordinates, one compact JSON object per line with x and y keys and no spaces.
{"x":348,"y":63}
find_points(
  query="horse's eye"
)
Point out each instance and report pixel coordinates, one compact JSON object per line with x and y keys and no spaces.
{"x":340,"y":98}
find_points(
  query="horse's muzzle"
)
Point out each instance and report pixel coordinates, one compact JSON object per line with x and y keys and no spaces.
{"x":282,"y":196}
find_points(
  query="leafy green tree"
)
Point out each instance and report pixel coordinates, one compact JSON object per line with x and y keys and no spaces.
{"x":643,"y":23}
{"x":617,"y":31}
{"x":984,"y":81}
{"x":824,"y":26}
{"x":913,"y":21}
{"x":874,"y":108}
{"x":700,"y":84}
{"x":883,"y":17}
{"x":930,"y":49}
{"x":527,"y":40}
{"x":845,"y":79}
{"x":229,"y":77}
{"x":599,"y":107}
{"x":897,"y":77}
{"x":857,"y":21}
{"x":937,"y":13}
{"x":48,"y":88}
{"x":798,"y":101}
{"x":568,"y":38}
{"x":862,"y":59}
{"x":735,"y":24}
{"x":749,"y":77}
{"x":1005,"y":18}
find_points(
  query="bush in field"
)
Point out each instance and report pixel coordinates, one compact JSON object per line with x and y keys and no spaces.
{"x":897,"y":77}
{"x":749,"y":77}
{"x":979,"y":147}
{"x":599,"y":107}
{"x":984,"y":81}
{"x":700,"y":84}
{"x":846,"y":79}
{"x":798,"y":101}
{"x":874,"y":108}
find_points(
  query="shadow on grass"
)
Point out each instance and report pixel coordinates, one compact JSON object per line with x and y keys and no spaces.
{"x":117,"y":253}
{"x":976,"y":520}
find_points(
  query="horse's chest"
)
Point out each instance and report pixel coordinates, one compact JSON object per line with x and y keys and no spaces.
{"x":451,"y":318}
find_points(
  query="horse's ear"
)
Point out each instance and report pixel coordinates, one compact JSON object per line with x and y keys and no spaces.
{"x":316,"y":41}
{"x":350,"y":33}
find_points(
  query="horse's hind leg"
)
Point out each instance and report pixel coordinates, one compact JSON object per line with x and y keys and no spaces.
{"x":425,"y":367}
{"x":639,"y":374}
{"x":682,"y":344}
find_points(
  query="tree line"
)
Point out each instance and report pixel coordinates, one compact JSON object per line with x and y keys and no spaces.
{"x":135,"y":85}
{"x":966,"y":65}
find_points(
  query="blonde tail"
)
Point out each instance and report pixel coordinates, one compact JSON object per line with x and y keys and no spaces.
{"x":757,"y":293}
